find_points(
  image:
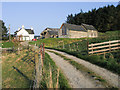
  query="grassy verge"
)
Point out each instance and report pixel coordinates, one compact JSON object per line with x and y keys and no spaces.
{"x":17,"y":70}
{"x":84,"y":69}
{"x":7,"y":44}
{"x":63,"y":82}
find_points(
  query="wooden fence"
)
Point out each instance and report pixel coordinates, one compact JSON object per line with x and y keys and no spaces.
{"x":104,"y":47}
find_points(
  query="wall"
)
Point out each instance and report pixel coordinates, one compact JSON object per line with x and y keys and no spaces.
{"x":77,"y":34}
{"x":47,"y":35}
{"x":92,"y":33}
{"x":25,"y":35}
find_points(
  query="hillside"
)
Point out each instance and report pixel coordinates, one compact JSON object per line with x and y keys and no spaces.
{"x":78,"y":47}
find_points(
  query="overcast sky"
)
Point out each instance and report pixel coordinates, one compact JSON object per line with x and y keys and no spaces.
{"x":41,"y":15}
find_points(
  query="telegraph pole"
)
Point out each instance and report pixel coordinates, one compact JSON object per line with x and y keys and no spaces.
{"x":9,"y":33}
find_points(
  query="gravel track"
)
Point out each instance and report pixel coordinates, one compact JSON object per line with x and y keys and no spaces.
{"x":110,"y":77}
{"x":75,"y":78}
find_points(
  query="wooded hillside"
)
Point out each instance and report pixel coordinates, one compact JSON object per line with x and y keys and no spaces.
{"x":104,"y":19}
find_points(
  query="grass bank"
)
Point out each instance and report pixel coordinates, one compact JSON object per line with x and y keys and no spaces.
{"x":63,"y":82}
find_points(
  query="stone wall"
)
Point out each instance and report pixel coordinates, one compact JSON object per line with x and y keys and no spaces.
{"x":92,"y":33}
{"x":77,"y":34}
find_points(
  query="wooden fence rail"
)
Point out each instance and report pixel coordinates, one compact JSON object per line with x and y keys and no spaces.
{"x":104,"y":47}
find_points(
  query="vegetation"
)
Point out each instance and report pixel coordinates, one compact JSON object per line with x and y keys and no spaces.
{"x":4,"y":30}
{"x":79,"y":48}
{"x":104,"y":18}
{"x":63,"y":82}
{"x":54,"y":42}
{"x":83,"y":69}
{"x":17,"y":69}
{"x":7,"y":44}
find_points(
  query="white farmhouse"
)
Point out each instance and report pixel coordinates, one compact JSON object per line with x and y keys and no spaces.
{"x":24,"y":34}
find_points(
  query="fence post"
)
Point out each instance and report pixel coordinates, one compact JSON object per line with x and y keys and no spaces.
{"x":109,"y":46}
{"x":63,"y":45}
{"x":57,"y":78}
{"x":50,"y":82}
{"x":41,"y":54}
{"x":88,"y":47}
{"x":37,"y":71}
{"x":43,"y":50}
{"x":77,"y":47}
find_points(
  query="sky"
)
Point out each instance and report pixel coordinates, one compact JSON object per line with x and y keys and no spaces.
{"x":41,"y":15}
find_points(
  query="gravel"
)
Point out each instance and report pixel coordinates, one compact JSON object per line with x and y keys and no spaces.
{"x":76,"y":77}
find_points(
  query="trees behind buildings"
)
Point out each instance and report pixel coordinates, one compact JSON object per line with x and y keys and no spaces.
{"x":104,"y":19}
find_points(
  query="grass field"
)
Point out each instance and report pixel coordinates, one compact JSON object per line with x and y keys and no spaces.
{"x":17,"y":69}
{"x":7,"y":44}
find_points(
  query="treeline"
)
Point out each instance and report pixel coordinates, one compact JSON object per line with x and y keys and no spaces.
{"x":103,"y":19}
{"x":3,"y":31}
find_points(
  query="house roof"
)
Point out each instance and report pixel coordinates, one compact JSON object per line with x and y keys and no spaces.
{"x":52,"y":28}
{"x":49,"y":29}
{"x":74,"y":27}
{"x":28,"y":30}
{"x":82,"y":27}
{"x":53,"y":32}
{"x":88,"y":27}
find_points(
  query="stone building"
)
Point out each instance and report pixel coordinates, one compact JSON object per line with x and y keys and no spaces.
{"x":77,"y":31}
{"x":49,"y":33}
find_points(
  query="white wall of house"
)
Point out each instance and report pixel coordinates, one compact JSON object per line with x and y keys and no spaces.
{"x":25,"y":35}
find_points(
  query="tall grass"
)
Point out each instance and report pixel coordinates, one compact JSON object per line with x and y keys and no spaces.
{"x":50,"y":76}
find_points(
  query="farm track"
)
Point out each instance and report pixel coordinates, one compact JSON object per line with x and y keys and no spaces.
{"x":76,"y":78}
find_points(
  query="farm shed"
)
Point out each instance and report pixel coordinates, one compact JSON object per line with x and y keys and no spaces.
{"x":77,"y":31}
{"x":49,"y":33}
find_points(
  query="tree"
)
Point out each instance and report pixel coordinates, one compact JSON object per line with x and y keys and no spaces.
{"x":104,"y":19}
{"x":4,"y":30}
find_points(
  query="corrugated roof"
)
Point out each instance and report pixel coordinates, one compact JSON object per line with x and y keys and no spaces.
{"x":74,"y":27}
{"x":82,"y":27}
{"x":53,"y":32}
{"x":88,"y":27}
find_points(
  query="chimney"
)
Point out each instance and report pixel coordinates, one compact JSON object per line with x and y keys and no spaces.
{"x":31,"y":28}
{"x":22,"y":26}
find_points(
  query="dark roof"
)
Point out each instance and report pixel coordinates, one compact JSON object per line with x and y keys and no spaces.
{"x":53,"y":32}
{"x":30,"y":31}
{"x":82,"y":27}
{"x":74,"y":27}
{"x":88,"y":27}
{"x":52,"y":28}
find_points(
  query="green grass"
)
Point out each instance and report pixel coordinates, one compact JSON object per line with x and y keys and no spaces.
{"x":17,"y":70}
{"x":7,"y":44}
{"x":82,"y":68}
{"x":63,"y":82}
{"x":70,"y":47}
{"x":54,"y":42}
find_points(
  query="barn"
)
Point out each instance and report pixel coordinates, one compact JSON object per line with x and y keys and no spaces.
{"x":77,"y":31}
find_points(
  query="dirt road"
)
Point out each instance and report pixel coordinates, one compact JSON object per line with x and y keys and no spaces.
{"x":76,"y":78}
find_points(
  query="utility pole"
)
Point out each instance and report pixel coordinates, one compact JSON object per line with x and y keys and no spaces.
{"x":9,"y":33}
